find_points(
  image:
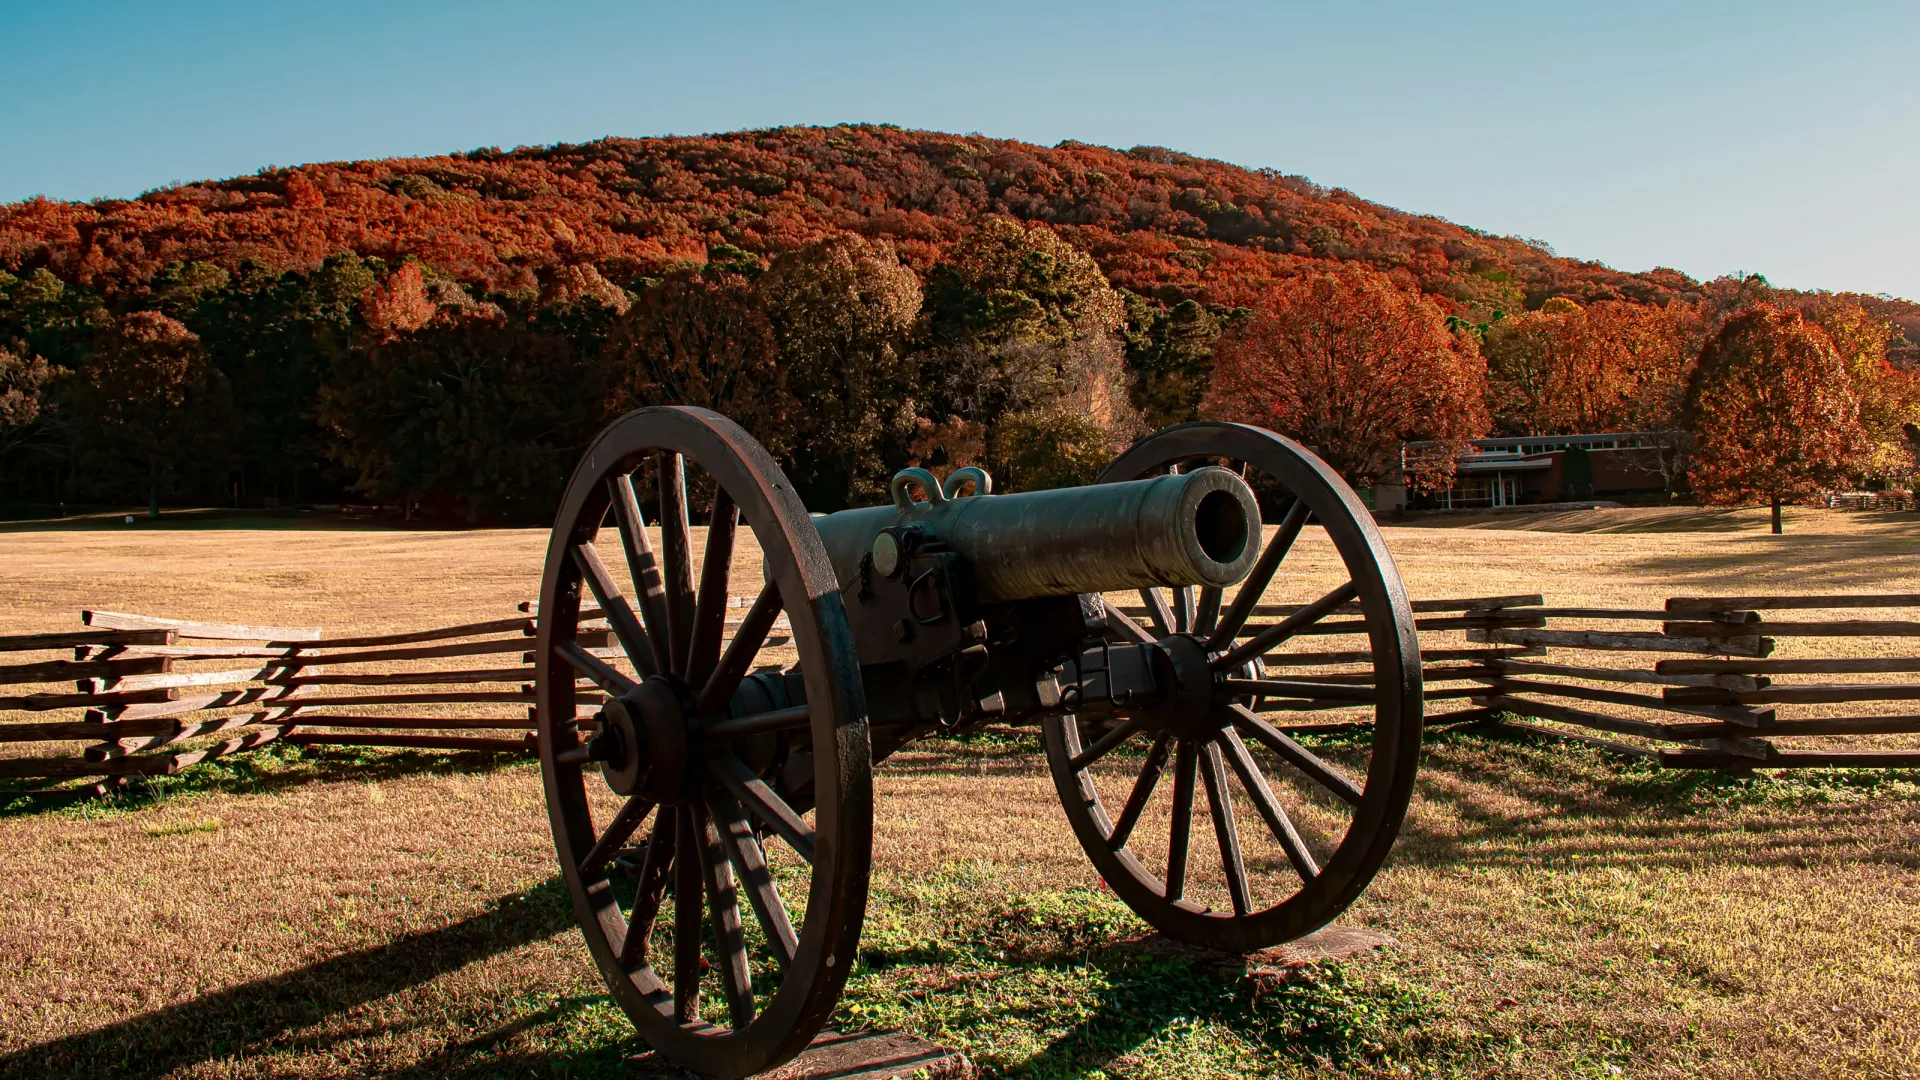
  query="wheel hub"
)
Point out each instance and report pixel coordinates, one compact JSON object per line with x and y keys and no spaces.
{"x":1187,"y":684}
{"x":643,"y":745}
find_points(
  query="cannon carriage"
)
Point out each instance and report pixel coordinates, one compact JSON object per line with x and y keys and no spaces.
{"x":713,"y":814}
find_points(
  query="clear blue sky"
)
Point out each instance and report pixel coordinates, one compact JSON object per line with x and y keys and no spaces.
{"x":1710,"y":137}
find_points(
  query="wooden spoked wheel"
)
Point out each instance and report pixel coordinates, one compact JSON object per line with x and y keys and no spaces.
{"x":1287,"y":837}
{"x":682,"y":785}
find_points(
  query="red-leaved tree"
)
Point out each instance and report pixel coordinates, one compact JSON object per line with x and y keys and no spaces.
{"x":1353,"y":365}
{"x":1773,"y":410}
{"x":1567,"y":369}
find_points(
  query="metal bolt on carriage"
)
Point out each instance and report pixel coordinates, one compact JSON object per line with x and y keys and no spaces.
{"x":713,"y":812}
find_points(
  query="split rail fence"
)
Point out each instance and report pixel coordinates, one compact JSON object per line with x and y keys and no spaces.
{"x":1695,"y":684}
{"x":135,"y":695}
{"x":1706,"y":682}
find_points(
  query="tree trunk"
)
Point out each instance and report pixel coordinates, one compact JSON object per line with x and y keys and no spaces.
{"x":153,"y":500}
{"x":1777,"y":530}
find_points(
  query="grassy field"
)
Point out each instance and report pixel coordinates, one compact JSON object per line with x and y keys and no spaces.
{"x":1559,"y":913}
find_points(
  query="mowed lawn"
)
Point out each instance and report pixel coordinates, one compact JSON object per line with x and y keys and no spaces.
{"x":1558,"y":913}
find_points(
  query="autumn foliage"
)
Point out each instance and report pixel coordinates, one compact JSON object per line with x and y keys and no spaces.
{"x":450,"y":331}
{"x":1774,"y":411}
{"x":1608,"y":367}
{"x":1353,"y":364}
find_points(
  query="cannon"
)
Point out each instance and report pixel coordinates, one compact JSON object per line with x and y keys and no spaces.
{"x":709,"y":782}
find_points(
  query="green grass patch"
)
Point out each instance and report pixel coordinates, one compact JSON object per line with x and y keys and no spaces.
{"x":1049,"y":984}
{"x":270,"y":769}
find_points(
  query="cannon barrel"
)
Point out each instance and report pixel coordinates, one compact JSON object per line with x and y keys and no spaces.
{"x":1195,"y":528}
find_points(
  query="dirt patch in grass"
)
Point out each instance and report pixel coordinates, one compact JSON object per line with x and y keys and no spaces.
{"x":1560,"y":913}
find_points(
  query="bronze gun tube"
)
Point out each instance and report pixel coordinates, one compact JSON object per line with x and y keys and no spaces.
{"x":1196,"y":528}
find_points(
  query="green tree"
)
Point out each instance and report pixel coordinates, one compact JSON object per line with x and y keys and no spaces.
{"x":480,"y":407}
{"x":840,"y":310}
{"x":276,"y":337}
{"x":692,"y":339}
{"x":150,"y":409}
{"x":1033,"y":451}
{"x":50,"y":318}
{"x":1019,"y":319}
{"x":1170,"y":358}
{"x":181,"y":287}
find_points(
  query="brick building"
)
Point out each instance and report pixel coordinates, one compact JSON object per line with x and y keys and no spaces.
{"x":1535,"y":469}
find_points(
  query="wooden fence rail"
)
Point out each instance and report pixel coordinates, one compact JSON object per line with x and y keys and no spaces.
{"x":155,"y":695}
{"x":150,"y":703}
{"x":1719,"y":701}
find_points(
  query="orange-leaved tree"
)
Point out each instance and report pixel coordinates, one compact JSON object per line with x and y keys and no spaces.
{"x":1773,"y":412}
{"x":1353,"y":365}
{"x":1567,"y":370}
{"x":1889,"y":396}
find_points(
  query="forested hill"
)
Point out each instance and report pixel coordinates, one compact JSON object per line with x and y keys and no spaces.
{"x":449,"y":331}
{"x":1160,"y":223}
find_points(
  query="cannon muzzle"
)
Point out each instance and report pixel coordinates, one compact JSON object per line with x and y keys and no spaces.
{"x":1196,"y":528}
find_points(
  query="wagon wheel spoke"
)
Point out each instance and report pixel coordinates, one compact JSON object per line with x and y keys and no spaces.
{"x":1121,"y":623}
{"x":1183,"y":609}
{"x":603,"y":674}
{"x":747,"y":641}
{"x":1298,"y":756}
{"x":676,"y":548}
{"x":1207,"y":615}
{"x":1225,"y":830}
{"x":1269,"y":638}
{"x":729,"y":937}
{"x":628,"y":819}
{"x":1143,"y":786}
{"x":686,"y":921}
{"x":1252,"y":589}
{"x":750,"y":863}
{"x":642,"y":565}
{"x":1157,"y":612}
{"x":1295,"y":688}
{"x":710,"y":606}
{"x":762,"y":803}
{"x":619,"y":614}
{"x":1184,"y":763}
{"x":655,"y":867}
{"x":1102,"y":746}
{"x":1278,"y":823}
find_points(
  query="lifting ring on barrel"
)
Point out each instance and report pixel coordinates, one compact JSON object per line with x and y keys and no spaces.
{"x":1297,"y":833}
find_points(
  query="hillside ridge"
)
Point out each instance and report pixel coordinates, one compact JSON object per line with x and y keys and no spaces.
{"x":1161,"y":223}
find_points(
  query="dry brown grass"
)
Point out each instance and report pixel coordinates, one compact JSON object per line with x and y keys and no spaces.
{"x":1563,"y":914}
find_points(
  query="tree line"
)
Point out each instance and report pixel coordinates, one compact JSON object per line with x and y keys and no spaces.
{"x":390,"y":380}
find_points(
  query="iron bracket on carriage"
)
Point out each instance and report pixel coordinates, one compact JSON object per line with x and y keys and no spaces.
{"x":684,"y":776}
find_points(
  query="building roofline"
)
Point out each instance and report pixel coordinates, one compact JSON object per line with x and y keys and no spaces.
{"x":1505,"y":441}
